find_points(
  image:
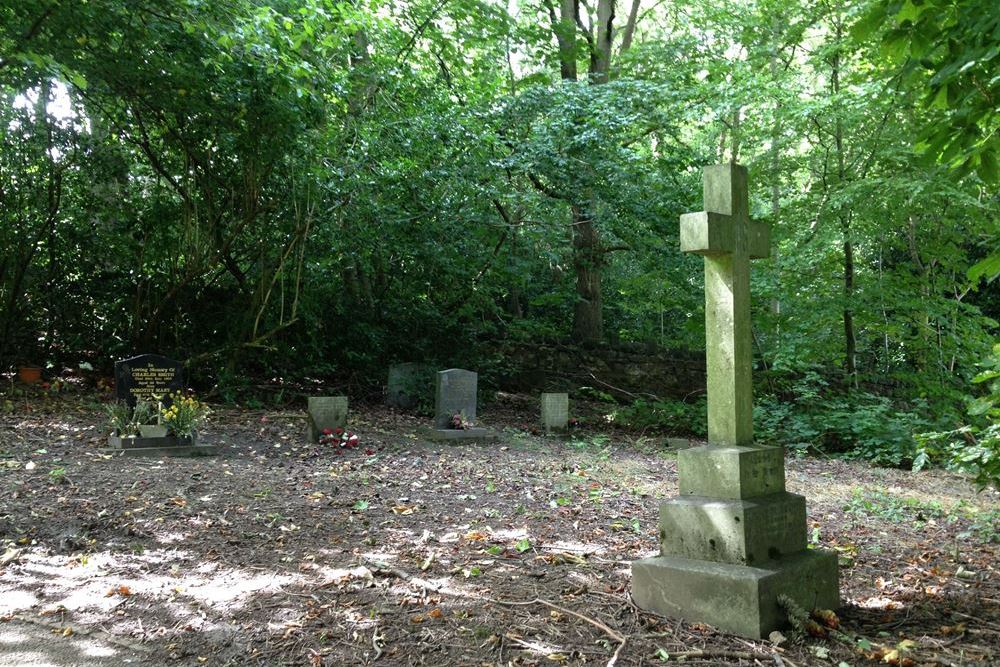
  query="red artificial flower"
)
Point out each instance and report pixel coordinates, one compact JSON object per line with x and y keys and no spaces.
{"x":370,"y":452}
{"x":338,"y":430}
{"x":352,"y":441}
{"x":327,"y":431}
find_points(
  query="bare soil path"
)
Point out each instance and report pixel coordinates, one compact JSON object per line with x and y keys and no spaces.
{"x":403,"y":552}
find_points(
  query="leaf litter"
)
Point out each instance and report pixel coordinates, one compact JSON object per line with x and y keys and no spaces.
{"x":405,"y":552}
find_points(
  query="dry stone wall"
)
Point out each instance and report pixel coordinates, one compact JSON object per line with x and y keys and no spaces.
{"x":635,"y":369}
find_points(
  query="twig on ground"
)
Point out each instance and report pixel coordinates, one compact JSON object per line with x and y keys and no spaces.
{"x":614,"y":634}
{"x":404,"y":575}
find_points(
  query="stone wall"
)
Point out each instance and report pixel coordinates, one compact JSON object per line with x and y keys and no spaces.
{"x":637,"y":369}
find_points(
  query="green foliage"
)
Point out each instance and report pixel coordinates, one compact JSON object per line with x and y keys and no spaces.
{"x":865,"y":503}
{"x":949,"y":49}
{"x":671,"y":416}
{"x":293,"y":192}
{"x":975,"y":447}
{"x":854,"y":424}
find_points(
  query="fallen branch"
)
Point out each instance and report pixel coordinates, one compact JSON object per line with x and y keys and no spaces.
{"x":611,"y":632}
{"x":406,"y":576}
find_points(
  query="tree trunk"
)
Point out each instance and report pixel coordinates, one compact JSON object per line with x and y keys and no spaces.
{"x":565,"y":29}
{"x":588,"y":319}
{"x":605,"y":36}
{"x":850,"y":339}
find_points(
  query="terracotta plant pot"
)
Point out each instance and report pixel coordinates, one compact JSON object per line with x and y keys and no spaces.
{"x":29,"y":374}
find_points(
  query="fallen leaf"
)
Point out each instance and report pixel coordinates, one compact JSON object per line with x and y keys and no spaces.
{"x":476,"y":536}
{"x":10,"y":556}
{"x":827,"y":617}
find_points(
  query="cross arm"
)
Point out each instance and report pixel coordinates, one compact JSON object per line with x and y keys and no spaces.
{"x":710,"y":233}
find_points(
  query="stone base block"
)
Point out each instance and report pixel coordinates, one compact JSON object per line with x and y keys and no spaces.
{"x":462,"y":435}
{"x":200,"y":450}
{"x":735,"y":598}
{"x":744,"y":532}
{"x":163,"y":446}
{"x":731,"y":472}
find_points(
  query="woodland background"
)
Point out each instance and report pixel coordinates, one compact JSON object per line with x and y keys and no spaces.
{"x":288,"y":191}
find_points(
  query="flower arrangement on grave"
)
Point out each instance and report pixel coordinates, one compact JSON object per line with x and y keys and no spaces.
{"x":459,"y":422}
{"x":185,"y":414}
{"x":125,"y":421}
{"x":339,"y":437}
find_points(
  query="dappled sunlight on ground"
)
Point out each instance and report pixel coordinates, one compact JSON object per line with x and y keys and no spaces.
{"x":517,"y":553}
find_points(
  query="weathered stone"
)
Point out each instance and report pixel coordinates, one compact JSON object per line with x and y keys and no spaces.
{"x":147,"y":377}
{"x":407,"y":384}
{"x":735,"y":598}
{"x":745,"y":532}
{"x":555,"y":412}
{"x":455,"y":394}
{"x":733,"y":541}
{"x":731,"y":472}
{"x":160,"y":446}
{"x":326,"y":412}
{"x":727,"y":306}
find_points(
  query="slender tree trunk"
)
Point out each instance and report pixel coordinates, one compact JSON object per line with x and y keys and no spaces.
{"x":588,"y":319}
{"x":850,"y":339}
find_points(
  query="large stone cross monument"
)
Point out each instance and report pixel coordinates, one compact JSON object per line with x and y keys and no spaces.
{"x":734,"y":539}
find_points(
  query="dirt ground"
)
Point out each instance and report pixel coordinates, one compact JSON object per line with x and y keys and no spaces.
{"x":404,"y":552}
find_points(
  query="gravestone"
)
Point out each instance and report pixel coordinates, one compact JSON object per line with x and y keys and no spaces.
{"x":407,"y":383}
{"x":734,"y":539}
{"x":555,"y":412}
{"x":152,"y":378}
{"x":326,"y":412}
{"x":147,"y":377}
{"x":455,"y":395}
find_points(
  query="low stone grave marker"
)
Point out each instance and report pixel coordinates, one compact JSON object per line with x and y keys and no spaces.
{"x":152,"y":378}
{"x":455,"y":396}
{"x":407,"y":384}
{"x":326,"y":412}
{"x":555,"y":412}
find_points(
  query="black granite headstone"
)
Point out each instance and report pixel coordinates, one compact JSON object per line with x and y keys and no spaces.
{"x":147,"y":377}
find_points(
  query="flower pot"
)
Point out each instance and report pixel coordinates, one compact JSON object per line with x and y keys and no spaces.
{"x":152,"y":431}
{"x":29,"y":374}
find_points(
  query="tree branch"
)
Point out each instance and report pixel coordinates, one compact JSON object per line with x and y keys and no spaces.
{"x":30,"y":33}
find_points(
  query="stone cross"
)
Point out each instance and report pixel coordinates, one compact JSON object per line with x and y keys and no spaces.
{"x":733,"y":541}
{"x":724,"y":234}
